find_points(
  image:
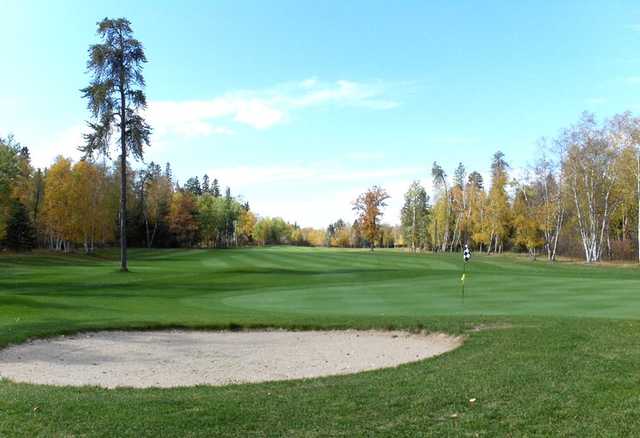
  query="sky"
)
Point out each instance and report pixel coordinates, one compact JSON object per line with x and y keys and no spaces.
{"x":298,"y":106}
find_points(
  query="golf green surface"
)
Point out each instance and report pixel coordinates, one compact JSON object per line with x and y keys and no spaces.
{"x":551,"y":349}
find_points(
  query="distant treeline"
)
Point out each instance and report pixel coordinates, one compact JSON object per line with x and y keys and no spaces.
{"x":70,"y":206}
{"x":581,"y":197}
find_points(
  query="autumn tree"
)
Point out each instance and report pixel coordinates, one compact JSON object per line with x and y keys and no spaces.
{"x":552,"y":210}
{"x":183,"y":218}
{"x":498,"y":208}
{"x":589,"y":169}
{"x":58,"y":205}
{"x":156,"y":196}
{"x":415,"y":216}
{"x":479,"y":227}
{"x":626,"y":134}
{"x":91,"y":213}
{"x":369,"y":207}
{"x":459,"y":207}
{"x":246,"y":225}
{"x":115,"y":98}
{"x":9,"y":173}
{"x":442,"y":217}
{"x":526,"y":219}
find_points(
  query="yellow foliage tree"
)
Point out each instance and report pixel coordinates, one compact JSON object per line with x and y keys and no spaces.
{"x":58,"y":206}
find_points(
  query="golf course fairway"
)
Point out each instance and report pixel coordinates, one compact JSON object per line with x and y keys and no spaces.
{"x":550,"y":349}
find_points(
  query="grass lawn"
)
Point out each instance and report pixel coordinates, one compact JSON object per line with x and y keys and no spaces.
{"x":560,"y":355}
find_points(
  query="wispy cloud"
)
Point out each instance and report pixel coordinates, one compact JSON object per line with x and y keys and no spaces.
{"x":315,"y":195}
{"x":365,"y":156}
{"x":262,"y":109}
{"x":246,"y":176}
{"x":63,"y":143}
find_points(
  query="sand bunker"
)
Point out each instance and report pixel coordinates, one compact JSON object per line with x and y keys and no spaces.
{"x":186,"y":358}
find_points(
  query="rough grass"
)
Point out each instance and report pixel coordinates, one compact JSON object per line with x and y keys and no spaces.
{"x":558,"y":352}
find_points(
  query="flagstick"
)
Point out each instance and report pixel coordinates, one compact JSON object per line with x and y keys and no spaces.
{"x":464,"y":271}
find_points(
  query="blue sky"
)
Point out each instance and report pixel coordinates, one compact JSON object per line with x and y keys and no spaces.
{"x":301,"y":105}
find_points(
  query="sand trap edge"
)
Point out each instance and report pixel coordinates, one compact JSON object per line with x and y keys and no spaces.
{"x":183,"y":358}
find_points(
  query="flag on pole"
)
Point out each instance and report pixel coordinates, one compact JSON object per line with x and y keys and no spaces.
{"x":466,"y":254}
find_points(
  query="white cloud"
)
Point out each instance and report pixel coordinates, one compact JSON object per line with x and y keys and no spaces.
{"x":246,"y":176}
{"x":262,"y":109}
{"x":310,"y":82}
{"x":63,"y":143}
{"x":316,"y":195}
{"x":344,"y":93}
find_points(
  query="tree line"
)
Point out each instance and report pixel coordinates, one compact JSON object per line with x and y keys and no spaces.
{"x":581,"y":197}
{"x":71,"y":206}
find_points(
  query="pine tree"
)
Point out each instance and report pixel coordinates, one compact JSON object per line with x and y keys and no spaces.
{"x":20,"y":234}
{"x":475,"y":180}
{"x":193,"y":186}
{"x":205,"y":184}
{"x":115,"y":103}
{"x":215,"y":188}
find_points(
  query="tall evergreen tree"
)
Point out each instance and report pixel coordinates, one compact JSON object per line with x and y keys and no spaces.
{"x":459,"y":176}
{"x":215,"y":188}
{"x":205,"y":184}
{"x":20,"y":234}
{"x":193,"y":186}
{"x":475,"y":180}
{"x":168,"y":173}
{"x":116,"y":97}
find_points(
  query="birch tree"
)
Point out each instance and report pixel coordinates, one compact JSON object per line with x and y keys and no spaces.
{"x":414,"y":215}
{"x":547,"y":181}
{"x":440,"y":183}
{"x":588,"y":167}
{"x":626,"y":132}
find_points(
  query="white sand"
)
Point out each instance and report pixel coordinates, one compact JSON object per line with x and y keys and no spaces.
{"x":186,"y":358}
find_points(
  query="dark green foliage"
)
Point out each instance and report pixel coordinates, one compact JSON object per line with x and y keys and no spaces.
{"x":459,"y":176}
{"x":193,"y":186}
{"x":475,"y":180}
{"x":215,"y":188}
{"x":205,"y":184}
{"x":20,"y":234}
{"x":9,"y":165}
{"x":115,"y":97}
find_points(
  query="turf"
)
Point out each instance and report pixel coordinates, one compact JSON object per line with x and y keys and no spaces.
{"x":559,"y":352}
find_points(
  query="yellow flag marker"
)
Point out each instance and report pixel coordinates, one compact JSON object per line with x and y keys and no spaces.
{"x":462,"y":279}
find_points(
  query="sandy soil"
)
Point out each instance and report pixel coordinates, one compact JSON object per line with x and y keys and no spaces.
{"x":186,"y":358}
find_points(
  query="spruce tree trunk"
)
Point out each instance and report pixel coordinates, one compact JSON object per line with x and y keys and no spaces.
{"x":123,"y":179}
